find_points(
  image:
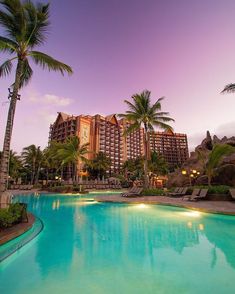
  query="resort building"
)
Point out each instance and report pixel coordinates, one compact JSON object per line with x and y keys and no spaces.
{"x":172,"y":146}
{"x":106,"y":134}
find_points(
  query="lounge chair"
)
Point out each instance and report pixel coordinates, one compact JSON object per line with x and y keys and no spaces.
{"x":194,"y":194}
{"x":136,"y":193}
{"x":182,"y":192}
{"x":202,"y":195}
{"x":132,"y":190}
{"x":176,"y":190}
{"x":232,"y":193}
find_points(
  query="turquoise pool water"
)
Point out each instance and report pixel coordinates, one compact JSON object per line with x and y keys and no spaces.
{"x":90,"y":247}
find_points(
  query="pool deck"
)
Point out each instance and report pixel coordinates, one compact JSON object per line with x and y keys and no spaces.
{"x":222,"y":207}
{"x":17,"y":230}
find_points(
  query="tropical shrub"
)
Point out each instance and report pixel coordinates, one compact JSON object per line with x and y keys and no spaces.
{"x":6,"y":218}
{"x":61,"y":189}
{"x":11,"y":215}
{"x":153,"y":192}
{"x":221,"y":189}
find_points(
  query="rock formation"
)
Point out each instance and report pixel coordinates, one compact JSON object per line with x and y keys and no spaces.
{"x":198,"y":159}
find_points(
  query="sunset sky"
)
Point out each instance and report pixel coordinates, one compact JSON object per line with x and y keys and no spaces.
{"x":183,"y":50}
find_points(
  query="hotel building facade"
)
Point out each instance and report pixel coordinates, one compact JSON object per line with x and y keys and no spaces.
{"x":106,"y":134}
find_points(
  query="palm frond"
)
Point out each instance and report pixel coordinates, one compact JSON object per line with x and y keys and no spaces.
{"x":217,"y":154}
{"x":131,"y":128}
{"x":27,"y":74}
{"x":48,"y":62}
{"x":7,"y":45}
{"x":37,"y":24}
{"x":5,"y":68}
{"x":157,"y":105}
{"x":230,"y":88}
{"x":162,"y":118}
{"x":131,"y":105}
{"x":13,"y":19}
{"x":163,"y":126}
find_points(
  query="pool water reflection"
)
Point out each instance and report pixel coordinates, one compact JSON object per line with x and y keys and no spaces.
{"x":91,"y":247}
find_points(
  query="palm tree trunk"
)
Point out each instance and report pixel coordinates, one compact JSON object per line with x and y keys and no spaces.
{"x":146,"y":182}
{"x":33,"y":173}
{"x":61,"y":172}
{"x":37,"y":174}
{"x":209,"y":176}
{"x":9,"y":127}
{"x":77,"y":170}
{"x":47,"y":175}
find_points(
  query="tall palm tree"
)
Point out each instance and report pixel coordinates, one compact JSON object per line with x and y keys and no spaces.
{"x":72,"y":152}
{"x":142,"y":114}
{"x":32,"y":157}
{"x":25,"y":26}
{"x":215,"y":158}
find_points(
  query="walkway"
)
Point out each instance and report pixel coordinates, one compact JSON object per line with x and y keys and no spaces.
{"x":17,"y":230}
{"x":224,"y":207}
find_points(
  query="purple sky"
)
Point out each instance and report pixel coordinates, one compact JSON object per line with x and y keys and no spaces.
{"x":183,"y":50}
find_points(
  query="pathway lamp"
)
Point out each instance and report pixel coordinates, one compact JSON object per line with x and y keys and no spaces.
{"x":191,"y":174}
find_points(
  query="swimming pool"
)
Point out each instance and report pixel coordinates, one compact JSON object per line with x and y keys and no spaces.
{"x":90,"y":247}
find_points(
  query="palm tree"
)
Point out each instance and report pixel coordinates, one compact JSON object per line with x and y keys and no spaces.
{"x":50,"y":160}
{"x":32,"y":157}
{"x":26,"y":26}
{"x":157,"y":164}
{"x":215,"y":158}
{"x":133,"y":168}
{"x":72,"y":152}
{"x":99,"y":165}
{"x":142,"y":113}
{"x":15,"y":166}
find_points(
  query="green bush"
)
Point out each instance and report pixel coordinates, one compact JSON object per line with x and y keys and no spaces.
{"x":6,"y":218}
{"x":78,"y":189}
{"x":37,"y":186}
{"x":11,"y":215}
{"x":153,"y":192}
{"x":16,"y":210}
{"x":221,"y":189}
{"x":61,"y":189}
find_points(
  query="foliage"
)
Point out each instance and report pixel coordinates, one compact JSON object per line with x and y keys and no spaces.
{"x":78,"y":188}
{"x":52,"y":163}
{"x":66,"y":189}
{"x":61,"y":189}
{"x":25,"y":25}
{"x":72,"y":152}
{"x":98,"y":166}
{"x":133,"y":168}
{"x":142,"y":114}
{"x":153,"y":192}
{"x":32,"y":157}
{"x":157,"y":164}
{"x":123,"y":180}
{"x":215,"y":158}
{"x":230,"y":88}
{"x":11,"y":215}
{"x":218,"y":189}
